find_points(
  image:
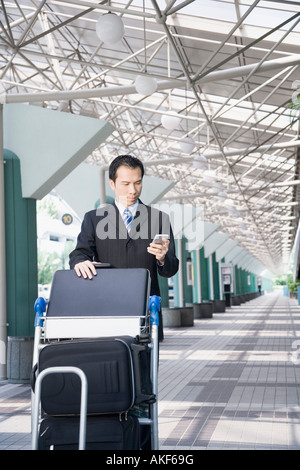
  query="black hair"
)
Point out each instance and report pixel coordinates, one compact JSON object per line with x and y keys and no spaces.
{"x":126,"y":160}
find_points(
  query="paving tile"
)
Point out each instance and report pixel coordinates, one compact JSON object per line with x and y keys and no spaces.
{"x":227,"y":383}
{"x":246,"y":367}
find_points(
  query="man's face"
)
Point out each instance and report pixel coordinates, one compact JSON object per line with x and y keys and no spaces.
{"x":127,"y":185}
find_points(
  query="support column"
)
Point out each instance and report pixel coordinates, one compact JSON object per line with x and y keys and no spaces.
{"x":102,"y":186}
{"x":178,"y":278}
{"x":197,"y":294}
{"x":3,"y":317}
{"x":21,"y":272}
{"x":180,"y":273}
{"x":217,"y":294}
{"x":211,"y":278}
{"x":21,"y":252}
{"x":204,"y":276}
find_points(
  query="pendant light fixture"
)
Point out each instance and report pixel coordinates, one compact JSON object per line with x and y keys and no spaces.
{"x":187,"y":145}
{"x":144,"y":84}
{"x":110,"y":28}
{"x":209,"y":175}
{"x":200,"y":162}
{"x":171,"y":120}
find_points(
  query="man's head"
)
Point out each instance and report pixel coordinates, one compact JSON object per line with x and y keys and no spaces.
{"x":126,"y":160}
{"x":125,"y":178}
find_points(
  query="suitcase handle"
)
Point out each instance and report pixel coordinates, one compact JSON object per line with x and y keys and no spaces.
{"x":33,"y":377}
{"x":99,"y":265}
{"x":83,"y":403}
{"x":141,"y":396}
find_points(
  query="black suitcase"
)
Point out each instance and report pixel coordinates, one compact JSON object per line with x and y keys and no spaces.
{"x":102,"y":433}
{"x":117,"y":371}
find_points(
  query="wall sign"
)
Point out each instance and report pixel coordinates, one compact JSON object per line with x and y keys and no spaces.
{"x":67,"y":219}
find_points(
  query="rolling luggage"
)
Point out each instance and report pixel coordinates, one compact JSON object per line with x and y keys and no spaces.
{"x":95,"y":362}
{"x":102,"y":433}
{"x":117,"y":376}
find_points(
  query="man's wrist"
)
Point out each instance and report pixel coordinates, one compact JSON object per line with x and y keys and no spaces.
{"x":160,"y":262}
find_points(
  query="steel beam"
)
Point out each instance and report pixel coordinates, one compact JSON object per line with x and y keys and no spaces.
{"x":228,"y":74}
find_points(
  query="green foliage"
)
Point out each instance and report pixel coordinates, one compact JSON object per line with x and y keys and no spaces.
{"x":295,"y":108}
{"x":293,"y":286}
{"x":283,"y":280}
{"x":48,"y":263}
{"x":48,"y":207}
{"x":69,"y":246}
{"x":287,"y":280}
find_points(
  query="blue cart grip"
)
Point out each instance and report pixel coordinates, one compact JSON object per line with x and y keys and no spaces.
{"x":154,"y":307}
{"x":39,"y":308}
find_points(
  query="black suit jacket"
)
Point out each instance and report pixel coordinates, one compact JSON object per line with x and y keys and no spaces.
{"x":104,"y":238}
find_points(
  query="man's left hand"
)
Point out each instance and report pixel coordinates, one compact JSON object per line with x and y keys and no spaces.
{"x":159,"y":250}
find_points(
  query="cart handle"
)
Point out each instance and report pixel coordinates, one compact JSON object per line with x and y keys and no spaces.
{"x":40,"y":308}
{"x":154,"y":307}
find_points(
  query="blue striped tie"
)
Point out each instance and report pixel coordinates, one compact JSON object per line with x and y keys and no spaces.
{"x":127,"y":217}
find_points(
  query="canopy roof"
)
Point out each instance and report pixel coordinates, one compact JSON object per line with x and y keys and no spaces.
{"x":229,"y":68}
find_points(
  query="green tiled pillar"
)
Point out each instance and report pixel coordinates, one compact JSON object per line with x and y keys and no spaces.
{"x":204,"y":275}
{"x":164,"y":291}
{"x":216,"y":277}
{"x":187,"y":290}
{"x":21,"y":251}
{"x":197,"y":276}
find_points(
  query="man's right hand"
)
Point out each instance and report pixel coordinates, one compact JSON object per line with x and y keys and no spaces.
{"x":86,"y":269}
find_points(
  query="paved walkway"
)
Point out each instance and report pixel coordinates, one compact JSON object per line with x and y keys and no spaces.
{"x":230,"y":382}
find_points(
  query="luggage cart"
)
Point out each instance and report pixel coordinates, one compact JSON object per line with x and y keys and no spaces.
{"x":82,"y":333}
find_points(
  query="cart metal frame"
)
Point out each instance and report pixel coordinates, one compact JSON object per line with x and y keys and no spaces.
{"x":49,"y":329}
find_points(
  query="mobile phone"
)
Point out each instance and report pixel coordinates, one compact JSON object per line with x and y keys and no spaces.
{"x":159,"y":238}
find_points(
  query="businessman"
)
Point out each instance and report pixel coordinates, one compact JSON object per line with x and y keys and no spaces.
{"x":125,"y":240}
